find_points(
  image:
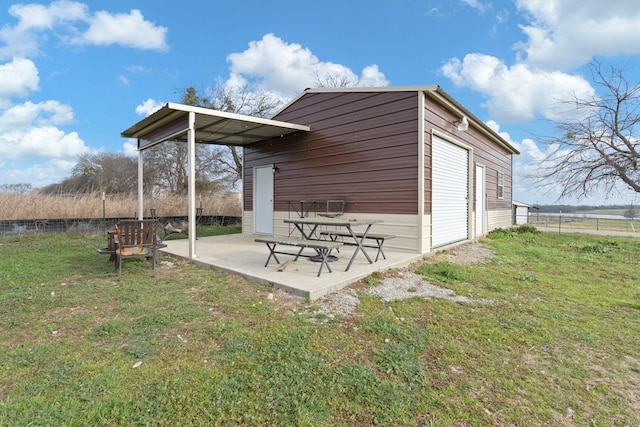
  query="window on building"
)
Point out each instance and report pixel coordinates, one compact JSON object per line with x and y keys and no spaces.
{"x":500,"y":185}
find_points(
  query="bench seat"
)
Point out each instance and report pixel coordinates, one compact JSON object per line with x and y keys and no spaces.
{"x":322,"y":248}
{"x":379,"y":238}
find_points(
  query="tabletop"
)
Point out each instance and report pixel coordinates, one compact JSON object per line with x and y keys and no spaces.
{"x":345,"y":222}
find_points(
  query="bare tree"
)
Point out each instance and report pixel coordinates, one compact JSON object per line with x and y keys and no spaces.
{"x":336,"y":80}
{"x":169,"y":165}
{"x":23,"y":188}
{"x":599,"y":149}
{"x":227,"y":163}
{"x":108,"y":172}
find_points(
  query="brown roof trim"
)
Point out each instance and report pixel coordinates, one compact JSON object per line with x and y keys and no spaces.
{"x":447,"y":101}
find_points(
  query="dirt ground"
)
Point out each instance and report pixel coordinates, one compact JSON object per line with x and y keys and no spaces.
{"x":402,"y":284}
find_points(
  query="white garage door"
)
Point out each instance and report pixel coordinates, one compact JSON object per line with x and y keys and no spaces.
{"x":450,"y":193}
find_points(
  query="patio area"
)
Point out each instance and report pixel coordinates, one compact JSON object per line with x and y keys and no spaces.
{"x":239,"y":253}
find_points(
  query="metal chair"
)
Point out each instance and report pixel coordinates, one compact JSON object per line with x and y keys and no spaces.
{"x":335,"y":208}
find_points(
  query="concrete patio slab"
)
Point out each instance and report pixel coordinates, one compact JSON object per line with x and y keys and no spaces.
{"x":239,"y":253}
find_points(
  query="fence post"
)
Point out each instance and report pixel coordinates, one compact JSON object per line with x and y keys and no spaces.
{"x":104,"y":213}
{"x":560,"y":222}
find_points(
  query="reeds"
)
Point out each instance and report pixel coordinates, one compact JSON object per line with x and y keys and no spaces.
{"x":71,"y":206}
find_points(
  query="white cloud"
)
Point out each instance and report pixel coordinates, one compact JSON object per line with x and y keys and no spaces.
{"x":17,"y":78}
{"x":148,"y":107}
{"x":559,"y":35}
{"x":372,"y":76}
{"x":41,"y":142}
{"x":33,"y":147}
{"x":519,"y":92}
{"x":37,"y":16}
{"x":40,"y":174}
{"x":60,"y":114}
{"x":29,"y":130}
{"x":568,"y":33}
{"x":525,"y":166}
{"x":130,"y":30}
{"x":132,"y":70}
{"x":288,"y":68}
{"x":50,"y":142}
{"x":476,"y":4}
{"x":33,"y":19}
{"x":130,"y":148}
{"x":73,"y":24}
{"x":24,"y":116}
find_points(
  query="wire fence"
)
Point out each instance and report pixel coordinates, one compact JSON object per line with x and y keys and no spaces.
{"x":572,"y":222}
{"x":62,"y":225}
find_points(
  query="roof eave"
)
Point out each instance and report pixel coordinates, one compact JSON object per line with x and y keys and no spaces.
{"x":172,"y":112}
{"x":443,"y":98}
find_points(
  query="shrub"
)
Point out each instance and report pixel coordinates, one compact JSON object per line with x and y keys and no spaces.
{"x":510,"y":232}
{"x":526,"y":228}
{"x":499,"y":233}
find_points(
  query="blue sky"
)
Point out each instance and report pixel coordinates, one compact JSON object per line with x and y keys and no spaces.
{"x":75,"y":74}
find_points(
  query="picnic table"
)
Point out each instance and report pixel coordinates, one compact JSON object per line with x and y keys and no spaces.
{"x":323,"y":249}
{"x":312,"y":224}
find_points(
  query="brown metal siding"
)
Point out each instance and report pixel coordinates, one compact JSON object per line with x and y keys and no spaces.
{"x":179,"y":124}
{"x":495,"y":158}
{"x":362,"y":148}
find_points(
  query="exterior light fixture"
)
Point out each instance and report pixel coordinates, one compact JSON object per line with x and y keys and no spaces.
{"x":462,"y":125}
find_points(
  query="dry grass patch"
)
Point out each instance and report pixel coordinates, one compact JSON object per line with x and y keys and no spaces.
{"x":71,"y":206}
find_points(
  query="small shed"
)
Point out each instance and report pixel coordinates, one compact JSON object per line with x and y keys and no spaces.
{"x":411,"y":156}
{"x":520,"y":213}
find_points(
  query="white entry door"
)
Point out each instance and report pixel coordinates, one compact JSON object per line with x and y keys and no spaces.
{"x":263,"y":200}
{"x":480,"y":200}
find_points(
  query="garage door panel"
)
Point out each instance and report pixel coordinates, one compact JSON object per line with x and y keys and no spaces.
{"x":450,"y":193}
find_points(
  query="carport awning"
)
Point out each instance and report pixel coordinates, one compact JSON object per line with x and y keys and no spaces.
{"x":171,"y":122}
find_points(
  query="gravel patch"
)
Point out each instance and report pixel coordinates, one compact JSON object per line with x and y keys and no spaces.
{"x":410,"y":285}
{"x":471,"y":253}
{"x":403,"y":285}
{"x":343,"y":303}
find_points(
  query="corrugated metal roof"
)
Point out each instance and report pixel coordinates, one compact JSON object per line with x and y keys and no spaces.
{"x":212,"y":127}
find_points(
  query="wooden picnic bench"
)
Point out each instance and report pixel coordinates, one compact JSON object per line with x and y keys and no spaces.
{"x":336,"y":235}
{"x":322,"y":248}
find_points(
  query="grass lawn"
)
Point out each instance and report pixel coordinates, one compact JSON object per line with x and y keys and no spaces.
{"x":557,"y":343}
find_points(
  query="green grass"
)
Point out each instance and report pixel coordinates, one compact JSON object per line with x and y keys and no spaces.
{"x":205,"y":231}
{"x":199,"y":347}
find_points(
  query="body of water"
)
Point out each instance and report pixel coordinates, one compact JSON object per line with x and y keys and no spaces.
{"x":576,"y":215}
